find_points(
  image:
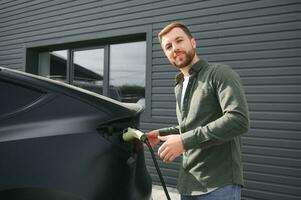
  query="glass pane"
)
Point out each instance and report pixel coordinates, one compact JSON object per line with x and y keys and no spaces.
{"x":53,"y":65}
{"x":127,"y":71}
{"x":88,"y":69}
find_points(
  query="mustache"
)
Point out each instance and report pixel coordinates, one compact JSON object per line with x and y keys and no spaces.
{"x":176,"y":53}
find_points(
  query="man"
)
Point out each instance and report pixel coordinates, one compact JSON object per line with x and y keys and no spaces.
{"x":212,"y":113}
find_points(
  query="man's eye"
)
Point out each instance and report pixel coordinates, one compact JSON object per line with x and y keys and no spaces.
{"x":167,"y":47}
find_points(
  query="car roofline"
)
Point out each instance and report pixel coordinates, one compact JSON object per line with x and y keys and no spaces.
{"x":61,"y":84}
{"x":129,"y":106}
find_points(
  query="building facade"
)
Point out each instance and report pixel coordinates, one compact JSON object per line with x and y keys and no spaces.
{"x":111,"y":47}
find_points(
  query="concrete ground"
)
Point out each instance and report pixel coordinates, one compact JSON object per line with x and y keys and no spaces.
{"x":159,"y":194}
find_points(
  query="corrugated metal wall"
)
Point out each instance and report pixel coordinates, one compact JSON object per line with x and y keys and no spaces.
{"x":261,"y":40}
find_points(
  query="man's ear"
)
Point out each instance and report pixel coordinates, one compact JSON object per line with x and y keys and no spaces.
{"x":193,"y":42}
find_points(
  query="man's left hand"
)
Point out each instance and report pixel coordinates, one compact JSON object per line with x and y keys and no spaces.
{"x":171,"y":148}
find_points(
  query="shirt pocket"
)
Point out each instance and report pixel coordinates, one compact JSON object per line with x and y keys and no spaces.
{"x":202,"y":102}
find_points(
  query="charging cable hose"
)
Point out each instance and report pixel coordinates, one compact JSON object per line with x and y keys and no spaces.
{"x":130,"y":134}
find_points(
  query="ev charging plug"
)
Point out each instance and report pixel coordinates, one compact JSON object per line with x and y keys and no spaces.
{"x":130,"y":134}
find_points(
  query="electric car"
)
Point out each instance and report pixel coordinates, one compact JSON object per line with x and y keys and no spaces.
{"x":60,"y":142}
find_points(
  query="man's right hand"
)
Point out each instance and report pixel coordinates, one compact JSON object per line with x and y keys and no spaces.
{"x":152,"y":137}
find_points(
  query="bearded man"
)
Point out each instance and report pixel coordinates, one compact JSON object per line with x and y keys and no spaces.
{"x":212,"y":115}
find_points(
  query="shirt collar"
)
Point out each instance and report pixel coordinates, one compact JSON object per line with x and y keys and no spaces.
{"x":193,"y":70}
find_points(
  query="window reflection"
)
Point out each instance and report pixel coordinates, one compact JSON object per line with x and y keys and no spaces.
{"x":88,"y":69}
{"x":127,"y":70}
{"x":53,"y":65}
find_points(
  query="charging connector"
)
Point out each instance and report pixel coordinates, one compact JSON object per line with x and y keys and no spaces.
{"x":130,"y":134}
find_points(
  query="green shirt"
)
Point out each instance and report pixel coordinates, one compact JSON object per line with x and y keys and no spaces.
{"x":213,"y":117}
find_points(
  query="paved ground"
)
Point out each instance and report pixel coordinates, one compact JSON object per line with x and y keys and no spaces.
{"x":158,"y":193}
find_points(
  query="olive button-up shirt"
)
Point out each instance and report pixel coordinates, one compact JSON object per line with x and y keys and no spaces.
{"x":211,"y":120}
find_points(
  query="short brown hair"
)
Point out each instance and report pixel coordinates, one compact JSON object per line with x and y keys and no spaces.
{"x":170,"y":26}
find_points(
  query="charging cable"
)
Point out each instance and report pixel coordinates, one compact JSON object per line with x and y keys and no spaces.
{"x":130,"y":134}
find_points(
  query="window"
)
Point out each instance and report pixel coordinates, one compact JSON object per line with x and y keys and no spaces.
{"x":88,"y":69}
{"x":115,"y":70}
{"x":127,"y":70}
{"x":53,"y":65}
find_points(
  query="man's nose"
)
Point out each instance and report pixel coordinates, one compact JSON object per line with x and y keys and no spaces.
{"x":175,"y":47}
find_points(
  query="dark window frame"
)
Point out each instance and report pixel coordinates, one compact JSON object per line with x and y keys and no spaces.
{"x":70,"y":62}
{"x":136,"y":34}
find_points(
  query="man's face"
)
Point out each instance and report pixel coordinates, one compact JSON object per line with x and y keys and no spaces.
{"x":178,"y":47}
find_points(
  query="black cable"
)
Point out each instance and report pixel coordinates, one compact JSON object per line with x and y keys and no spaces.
{"x":145,"y":140}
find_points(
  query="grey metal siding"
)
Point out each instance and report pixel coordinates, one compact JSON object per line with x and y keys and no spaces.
{"x":261,"y":40}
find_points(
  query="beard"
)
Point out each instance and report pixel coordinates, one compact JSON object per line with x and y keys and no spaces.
{"x":187,"y":59}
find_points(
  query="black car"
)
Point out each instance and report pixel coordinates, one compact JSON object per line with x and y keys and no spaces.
{"x":61,"y":142}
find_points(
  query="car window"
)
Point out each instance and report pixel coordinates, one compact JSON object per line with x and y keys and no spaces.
{"x":14,"y":97}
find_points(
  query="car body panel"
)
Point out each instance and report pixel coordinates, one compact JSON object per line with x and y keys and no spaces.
{"x":63,"y":141}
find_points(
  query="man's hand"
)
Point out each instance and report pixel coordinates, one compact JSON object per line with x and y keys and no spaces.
{"x":171,"y":148}
{"x":153,"y":137}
